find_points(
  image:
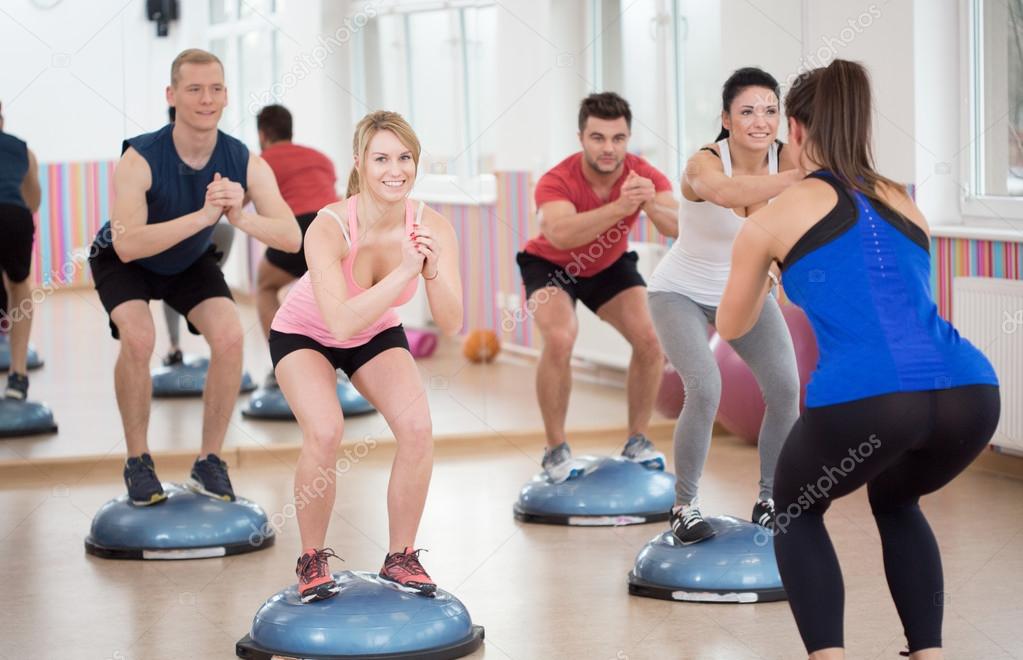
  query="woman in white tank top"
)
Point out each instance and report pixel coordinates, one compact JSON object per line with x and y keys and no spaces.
{"x":722,"y":185}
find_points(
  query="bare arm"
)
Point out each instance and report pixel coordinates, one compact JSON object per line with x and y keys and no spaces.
{"x":706,"y":177}
{"x":444,"y":288}
{"x":273,"y":222}
{"x":565,"y":228}
{"x":346,"y":315}
{"x":663,"y":212}
{"x":30,"y":190}
{"x":133,"y":238}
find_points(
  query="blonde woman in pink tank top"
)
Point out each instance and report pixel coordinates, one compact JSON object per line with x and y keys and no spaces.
{"x":366,"y":256}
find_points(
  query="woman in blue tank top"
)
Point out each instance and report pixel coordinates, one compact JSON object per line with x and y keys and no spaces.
{"x":899,"y":402}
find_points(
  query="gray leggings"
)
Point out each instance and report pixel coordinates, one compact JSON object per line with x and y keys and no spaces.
{"x":223,"y":238}
{"x":681,"y":325}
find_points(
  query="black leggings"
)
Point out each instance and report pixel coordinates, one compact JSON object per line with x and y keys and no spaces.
{"x":902,"y":446}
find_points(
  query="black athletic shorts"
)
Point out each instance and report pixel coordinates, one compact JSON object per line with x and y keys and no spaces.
{"x":17,"y":230}
{"x":593,"y":291}
{"x":346,"y":359}
{"x":292,"y":262}
{"x":118,"y":282}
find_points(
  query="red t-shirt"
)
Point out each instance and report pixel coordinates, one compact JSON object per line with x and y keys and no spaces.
{"x":565,"y":181}
{"x":305,"y":176}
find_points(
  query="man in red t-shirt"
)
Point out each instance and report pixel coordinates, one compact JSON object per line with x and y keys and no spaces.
{"x":307,"y":181}
{"x":586,"y":205}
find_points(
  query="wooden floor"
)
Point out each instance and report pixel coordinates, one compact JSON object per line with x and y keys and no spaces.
{"x":542,"y":592}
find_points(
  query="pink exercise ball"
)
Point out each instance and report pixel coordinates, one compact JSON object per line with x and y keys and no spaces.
{"x":672,"y":394}
{"x":741,"y":410}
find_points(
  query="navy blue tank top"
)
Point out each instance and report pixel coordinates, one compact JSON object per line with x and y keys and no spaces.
{"x":862,"y":275}
{"x":178,"y":190}
{"x":13,"y":168}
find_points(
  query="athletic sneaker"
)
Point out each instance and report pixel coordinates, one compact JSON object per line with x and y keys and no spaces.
{"x":140,"y":477}
{"x":763,"y":513}
{"x":209,"y":477}
{"x":17,"y":387}
{"x":639,"y":449}
{"x":315,"y":581}
{"x":404,"y":569}
{"x":271,"y":381}
{"x":688,"y":525}
{"x":557,"y":463}
{"x":173,"y":358}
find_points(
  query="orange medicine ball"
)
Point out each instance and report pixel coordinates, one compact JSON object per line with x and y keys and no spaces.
{"x":481,"y":346}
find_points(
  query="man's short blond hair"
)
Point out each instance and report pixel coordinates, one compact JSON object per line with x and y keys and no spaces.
{"x":192,"y":56}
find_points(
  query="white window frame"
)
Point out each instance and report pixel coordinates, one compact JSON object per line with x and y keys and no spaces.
{"x":407,"y":8}
{"x":978,"y":210}
{"x":231,"y":31}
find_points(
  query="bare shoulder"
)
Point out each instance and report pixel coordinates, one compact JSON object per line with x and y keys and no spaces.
{"x":898,"y":198}
{"x":437,"y":222}
{"x":133,"y":171}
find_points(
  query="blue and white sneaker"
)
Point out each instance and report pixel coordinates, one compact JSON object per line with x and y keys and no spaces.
{"x":209,"y":477}
{"x":558,"y":464}
{"x":639,"y":449}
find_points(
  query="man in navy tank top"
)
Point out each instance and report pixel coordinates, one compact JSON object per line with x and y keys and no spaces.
{"x":19,"y":200}
{"x":171,"y":187}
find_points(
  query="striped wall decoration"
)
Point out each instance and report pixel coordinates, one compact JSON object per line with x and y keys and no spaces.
{"x":76,"y":201}
{"x":952,"y":257}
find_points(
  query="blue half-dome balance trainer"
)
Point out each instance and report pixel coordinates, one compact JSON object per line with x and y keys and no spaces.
{"x":34,"y":361}
{"x":187,"y":525}
{"x":19,"y":418}
{"x":610,"y":491}
{"x":269,"y":402}
{"x":736,"y":565}
{"x":368,"y":618}
{"x":188,"y":378}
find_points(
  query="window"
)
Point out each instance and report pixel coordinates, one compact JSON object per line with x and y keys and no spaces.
{"x":996,"y":108}
{"x":435,"y":66}
{"x":243,"y":36}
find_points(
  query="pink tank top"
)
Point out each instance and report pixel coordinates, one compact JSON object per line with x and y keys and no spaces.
{"x":299,"y":314}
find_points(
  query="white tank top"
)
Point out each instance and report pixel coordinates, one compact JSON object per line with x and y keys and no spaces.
{"x":698,"y":262}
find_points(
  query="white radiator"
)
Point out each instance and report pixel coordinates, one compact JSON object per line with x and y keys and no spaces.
{"x":600,"y":343}
{"x":989,"y":312}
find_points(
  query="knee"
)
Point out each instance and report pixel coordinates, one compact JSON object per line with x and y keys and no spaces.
{"x":226,"y":340}
{"x":323,"y":439}
{"x":415,"y":436}
{"x":703,"y":390}
{"x":558,"y":343}
{"x":783,"y":393}
{"x":647,"y":347}
{"x":137,"y":342}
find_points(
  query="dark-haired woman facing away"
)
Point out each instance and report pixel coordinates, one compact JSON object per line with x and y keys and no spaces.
{"x":723,"y":183}
{"x":899,"y":401}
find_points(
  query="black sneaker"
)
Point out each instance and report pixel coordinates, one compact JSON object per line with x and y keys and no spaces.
{"x":209,"y":477}
{"x":17,"y":387}
{"x":173,"y":358}
{"x":688,"y":525}
{"x":140,"y":477}
{"x":763,"y":514}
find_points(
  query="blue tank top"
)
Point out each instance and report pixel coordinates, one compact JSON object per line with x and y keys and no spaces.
{"x":862,"y":275}
{"x":13,"y":168}
{"x":178,"y":190}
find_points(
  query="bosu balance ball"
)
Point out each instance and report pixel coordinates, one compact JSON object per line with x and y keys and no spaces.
{"x":187,"y":525}
{"x":188,"y":379}
{"x":736,"y":565}
{"x":34,"y":361}
{"x":610,"y":491}
{"x":25,"y":418}
{"x":269,"y":403}
{"x":368,"y":618}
